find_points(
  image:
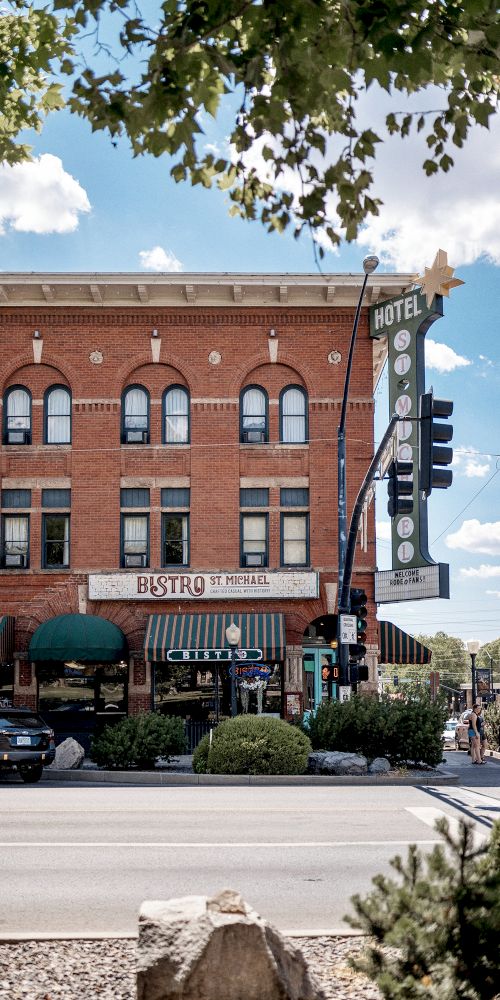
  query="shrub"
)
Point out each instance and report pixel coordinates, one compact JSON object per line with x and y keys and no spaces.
{"x":492,"y":726}
{"x":405,"y":730}
{"x":138,"y":741}
{"x":250,"y":744}
{"x":436,"y":929}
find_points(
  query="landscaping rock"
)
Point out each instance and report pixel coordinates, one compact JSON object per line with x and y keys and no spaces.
{"x":196,"y":948}
{"x":337,"y":762}
{"x":379,"y":766}
{"x":69,"y":756}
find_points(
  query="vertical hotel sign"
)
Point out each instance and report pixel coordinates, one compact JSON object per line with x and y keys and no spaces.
{"x":405,"y":320}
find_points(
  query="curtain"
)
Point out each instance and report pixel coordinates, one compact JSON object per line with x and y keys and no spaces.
{"x":18,"y":410}
{"x":293,"y":416}
{"x":254,"y":410}
{"x":295,"y":540}
{"x":58,"y":417}
{"x":136,"y":409}
{"x":135,"y":534}
{"x":176,"y":416}
{"x":16,"y":535}
{"x":254,"y":533}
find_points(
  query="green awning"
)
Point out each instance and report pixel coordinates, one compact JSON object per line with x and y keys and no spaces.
{"x":84,"y":638}
{"x":397,"y":646}
{"x":6,"y":638}
{"x":164,"y":632}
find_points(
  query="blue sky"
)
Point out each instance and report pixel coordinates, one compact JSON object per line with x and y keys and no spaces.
{"x":84,"y":205}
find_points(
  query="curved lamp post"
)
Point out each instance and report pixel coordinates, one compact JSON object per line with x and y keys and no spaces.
{"x":233,"y":636}
{"x":370,"y":265}
{"x":473,"y":647}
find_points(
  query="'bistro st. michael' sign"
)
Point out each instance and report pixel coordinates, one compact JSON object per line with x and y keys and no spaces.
{"x":166,"y":586}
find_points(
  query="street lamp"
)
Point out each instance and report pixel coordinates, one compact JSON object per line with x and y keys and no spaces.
{"x":370,"y":265}
{"x":233,"y":636}
{"x":473,"y":648}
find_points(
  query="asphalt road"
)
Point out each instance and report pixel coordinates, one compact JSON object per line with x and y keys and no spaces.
{"x":82,"y":858}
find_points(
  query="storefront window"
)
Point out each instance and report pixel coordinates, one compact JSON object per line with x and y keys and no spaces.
{"x":6,"y":684}
{"x":188,"y":691}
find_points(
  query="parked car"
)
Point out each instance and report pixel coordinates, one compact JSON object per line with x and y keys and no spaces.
{"x":448,"y":735}
{"x":26,"y":743}
{"x":462,"y":732}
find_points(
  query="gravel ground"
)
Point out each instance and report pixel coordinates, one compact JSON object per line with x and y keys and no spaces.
{"x":86,"y":970}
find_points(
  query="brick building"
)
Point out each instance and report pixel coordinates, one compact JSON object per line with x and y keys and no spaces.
{"x":168,"y":465}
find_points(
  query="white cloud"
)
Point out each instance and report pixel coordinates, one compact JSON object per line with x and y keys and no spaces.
{"x":384,"y":530}
{"x":476,"y":537}
{"x":482,"y":572}
{"x":494,"y":593}
{"x":443,"y":358}
{"x":158,"y":259}
{"x":466,"y":461}
{"x":40,"y":197}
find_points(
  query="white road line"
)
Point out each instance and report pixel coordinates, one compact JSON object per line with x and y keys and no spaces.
{"x":227,"y":845}
{"x":429,"y":815}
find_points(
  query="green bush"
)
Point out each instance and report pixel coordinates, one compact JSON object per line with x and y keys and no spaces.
{"x":492,"y":726}
{"x":435,"y":930}
{"x":405,"y":730}
{"x":250,"y":744}
{"x":138,"y":741}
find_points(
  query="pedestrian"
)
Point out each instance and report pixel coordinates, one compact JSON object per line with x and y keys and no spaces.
{"x":474,"y":734}
{"x":481,"y":728}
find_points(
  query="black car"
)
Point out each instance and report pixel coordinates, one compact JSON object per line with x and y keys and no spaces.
{"x":26,"y":743}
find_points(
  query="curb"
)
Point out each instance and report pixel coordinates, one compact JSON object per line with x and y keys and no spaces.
{"x":155,"y":778}
{"x":21,"y":936}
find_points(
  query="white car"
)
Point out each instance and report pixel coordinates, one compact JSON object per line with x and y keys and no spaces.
{"x":448,"y":735}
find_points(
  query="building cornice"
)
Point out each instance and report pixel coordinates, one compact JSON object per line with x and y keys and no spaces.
{"x":237,"y":292}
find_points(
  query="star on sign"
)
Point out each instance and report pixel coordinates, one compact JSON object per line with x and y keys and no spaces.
{"x":438,"y":279}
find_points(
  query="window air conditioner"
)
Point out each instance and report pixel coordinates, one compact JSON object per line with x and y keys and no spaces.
{"x":18,"y":437}
{"x":254,"y":437}
{"x":15,"y":559}
{"x":254,"y":558}
{"x":136,"y":437}
{"x":137,"y":559}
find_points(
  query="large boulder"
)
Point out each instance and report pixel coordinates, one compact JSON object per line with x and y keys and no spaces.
{"x":379,"y":766}
{"x":196,"y":948}
{"x":337,"y":762}
{"x":69,"y":756}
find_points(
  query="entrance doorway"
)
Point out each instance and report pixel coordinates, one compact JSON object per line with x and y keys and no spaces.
{"x":320,"y":662}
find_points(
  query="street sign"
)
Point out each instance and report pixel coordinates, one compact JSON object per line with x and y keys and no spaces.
{"x":184,"y":655}
{"x":348,"y":632}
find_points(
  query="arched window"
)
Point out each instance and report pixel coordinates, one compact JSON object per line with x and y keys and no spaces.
{"x":135,"y":415}
{"x":293,"y":415}
{"x":176,"y":415}
{"x":254,"y":415}
{"x":57,"y":415}
{"x":17,"y":419}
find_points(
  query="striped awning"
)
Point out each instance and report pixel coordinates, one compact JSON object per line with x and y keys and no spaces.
{"x":6,"y":638}
{"x":164,"y":632}
{"x":397,"y":646}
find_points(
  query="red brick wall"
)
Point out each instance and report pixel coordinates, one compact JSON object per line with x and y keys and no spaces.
{"x":95,"y":461}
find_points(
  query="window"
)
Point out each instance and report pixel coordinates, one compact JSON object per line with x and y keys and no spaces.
{"x":16,"y":498}
{"x":15,"y":541}
{"x":17,"y":409}
{"x":175,"y":539}
{"x":293,"y":415}
{"x":175,"y":496}
{"x":254,"y":415}
{"x":55,"y":541}
{"x":176,"y":415}
{"x":56,"y":498}
{"x":134,"y":497}
{"x":295,"y":539}
{"x":135,"y":415}
{"x":254,"y":497}
{"x":294,"y":497}
{"x":135,"y":540}
{"x":57,"y":415}
{"x":254,"y":539}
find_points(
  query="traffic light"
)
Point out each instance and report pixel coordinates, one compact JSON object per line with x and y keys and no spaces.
{"x":358,"y":601}
{"x":400,"y":488}
{"x":434,"y":457}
